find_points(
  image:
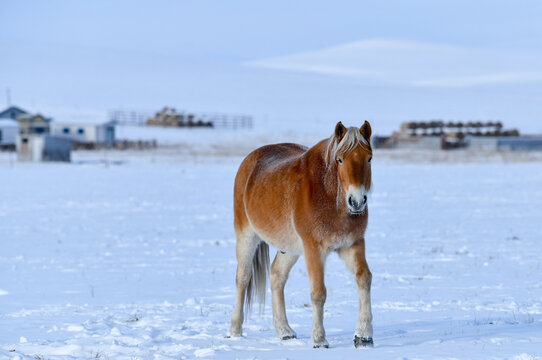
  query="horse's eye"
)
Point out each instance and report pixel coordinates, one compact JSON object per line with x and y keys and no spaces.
{"x":339,"y":160}
{"x":370,"y":158}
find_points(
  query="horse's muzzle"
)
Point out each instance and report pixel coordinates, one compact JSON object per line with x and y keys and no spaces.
{"x":356,"y":206}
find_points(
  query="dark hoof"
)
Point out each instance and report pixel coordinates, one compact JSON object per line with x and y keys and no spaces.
{"x":325,"y":346}
{"x":363,"y":341}
{"x":288,"y":337}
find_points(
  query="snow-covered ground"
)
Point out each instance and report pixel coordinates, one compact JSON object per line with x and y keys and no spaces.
{"x":134,"y":259}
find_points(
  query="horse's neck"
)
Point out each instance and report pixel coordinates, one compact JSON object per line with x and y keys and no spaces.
{"x":327,"y":169}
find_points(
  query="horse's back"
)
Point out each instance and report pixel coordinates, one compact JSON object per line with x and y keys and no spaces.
{"x":264,"y":162}
{"x":266,"y":158}
{"x":277,"y":152}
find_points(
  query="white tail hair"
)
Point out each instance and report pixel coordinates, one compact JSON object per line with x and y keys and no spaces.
{"x":258,"y":281}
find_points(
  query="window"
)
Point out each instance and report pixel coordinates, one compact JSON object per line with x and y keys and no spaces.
{"x":66,"y":130}
{"x":81,"y":131}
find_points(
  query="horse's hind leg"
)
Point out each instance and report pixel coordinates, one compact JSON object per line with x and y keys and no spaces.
{"x":279,"y":275}
{"x":247,"y":242}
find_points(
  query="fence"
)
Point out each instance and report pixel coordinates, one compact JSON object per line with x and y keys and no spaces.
{"x":217,"y":120}
{"x":124,"y":117}
{"x":229,"y":121}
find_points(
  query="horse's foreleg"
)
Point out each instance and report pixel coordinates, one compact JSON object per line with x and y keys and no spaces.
{"x":315,"y":268}
{"x":355,"y":261}
{"x":246,"y":246}
{"x":279,"y":275}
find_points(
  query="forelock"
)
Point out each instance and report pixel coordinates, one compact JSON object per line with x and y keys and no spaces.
{"x":350,"y":140}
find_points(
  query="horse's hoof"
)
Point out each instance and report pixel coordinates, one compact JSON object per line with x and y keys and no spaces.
{"x":321,"y":344}
{"x":233,"y":334}
{"x":288,"y":337}
{"x":363,"y":341}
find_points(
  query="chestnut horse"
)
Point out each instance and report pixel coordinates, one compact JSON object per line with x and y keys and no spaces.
{"x":303,"y":201}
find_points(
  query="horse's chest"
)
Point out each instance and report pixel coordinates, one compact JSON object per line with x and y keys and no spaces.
{"x":340,"y":242}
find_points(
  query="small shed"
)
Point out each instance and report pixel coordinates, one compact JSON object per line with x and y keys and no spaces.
{"x":8,"y":132}
{"x":43,"y":147}
{"x":85,"y":132}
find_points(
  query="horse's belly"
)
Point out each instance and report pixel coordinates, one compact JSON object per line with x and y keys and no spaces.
{"x":284,"y":238}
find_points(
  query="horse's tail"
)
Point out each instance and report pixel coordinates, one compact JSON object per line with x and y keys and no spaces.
{"x":258,"y":280}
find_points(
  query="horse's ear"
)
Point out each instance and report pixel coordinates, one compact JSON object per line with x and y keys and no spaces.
{"x":365,"y":131}
{"x":340,"y":130}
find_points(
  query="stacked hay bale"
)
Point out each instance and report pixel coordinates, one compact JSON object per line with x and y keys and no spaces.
{"x":169,"y":117}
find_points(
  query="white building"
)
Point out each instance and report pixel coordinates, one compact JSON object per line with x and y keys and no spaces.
{"x":489,"y":143}
{"x":8,"y":132}
{"x":85,"y":132}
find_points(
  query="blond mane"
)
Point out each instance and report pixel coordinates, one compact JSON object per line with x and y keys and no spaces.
{"x":350,"y":140}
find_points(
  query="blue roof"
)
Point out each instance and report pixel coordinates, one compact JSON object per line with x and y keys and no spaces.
{"x":12,"y":112}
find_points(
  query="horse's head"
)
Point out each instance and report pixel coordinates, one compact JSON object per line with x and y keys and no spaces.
{"x":351,"y":150}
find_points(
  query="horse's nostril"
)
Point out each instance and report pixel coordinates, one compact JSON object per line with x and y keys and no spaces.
{"x":364,"y":199}
{"x":350,"y":202}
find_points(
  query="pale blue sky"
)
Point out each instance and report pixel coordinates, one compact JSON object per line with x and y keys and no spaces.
{"x":308,"y":62}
